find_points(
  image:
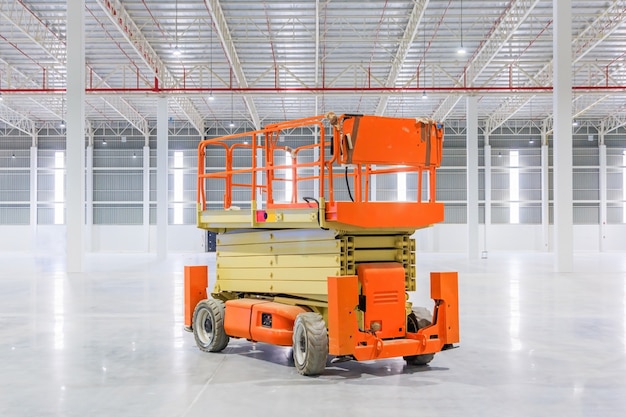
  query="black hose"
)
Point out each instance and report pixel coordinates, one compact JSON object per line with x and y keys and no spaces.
{"x":308,"y":200}
{"x":348,"y":184}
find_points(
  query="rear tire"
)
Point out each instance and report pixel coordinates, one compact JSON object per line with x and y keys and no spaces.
{"x":419,"y":318}
{"x":208,"y":326}
{"x":310,"y":344}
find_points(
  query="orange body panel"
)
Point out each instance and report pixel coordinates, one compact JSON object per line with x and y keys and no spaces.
{"x":345,"y":337}
{"x":244,"y":318}
{"x":281,"y":330}
{"x":381,"y":214}
{"x":382,"y":285}
{"x":196,"y":281}
{"x":343,"y":298}
{"x":391,"y":141}
{"x":444,"y":286}
{"x":237,"y":317}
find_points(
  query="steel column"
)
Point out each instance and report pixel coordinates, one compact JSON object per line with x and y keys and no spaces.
{"x":75,"y":141}
{"x":473,"y":239}
{"x":562,"y":105}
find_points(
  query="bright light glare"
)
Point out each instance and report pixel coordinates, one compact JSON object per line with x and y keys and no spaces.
{"x":514,"y":186}
{"x":288,"y":177}
{"x":178,"y":187}
{"x":514,"y":313}
{"x":401,"y":186}
{"x":59,"y":316}
{"x":59,"y":187}
{"x":624,"y":187}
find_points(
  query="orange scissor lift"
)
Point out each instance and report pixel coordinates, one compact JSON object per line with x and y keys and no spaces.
{"x":313,"y":261}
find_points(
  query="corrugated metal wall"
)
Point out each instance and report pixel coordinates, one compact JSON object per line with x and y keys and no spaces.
{"x":118,"y":174}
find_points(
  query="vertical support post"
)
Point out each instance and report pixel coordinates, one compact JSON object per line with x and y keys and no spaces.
{"x":373,"y":185}
{"x":33,"y":192}
{"x":89,"y":194}
{"x":603,"y":185}
{"x":545,"y":192}
{"x":316,"y":168}
{"x":161,"y":177}
{"x":473,"y":239}
{"x":146,"y":195}
{"x":260,"y":175}
{"x":75,"y":141}
{"x":563,"y":166}
{"x":487,"y":154}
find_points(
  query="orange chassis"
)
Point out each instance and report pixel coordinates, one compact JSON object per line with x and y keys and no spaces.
{"x":244,"y":316}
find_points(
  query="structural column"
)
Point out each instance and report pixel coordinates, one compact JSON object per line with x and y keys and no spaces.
{"x":562,"y":105}
{"x":545,"y":192}
{"x":487,"y":154}
{"x":161,"y":178}
{"x":473,"y":239}
{"x":602,"y":184}
{"x":75,"y":139}
{"x":146,"y":194}
{"x":33,"y":190}
{"x":89,"y":192}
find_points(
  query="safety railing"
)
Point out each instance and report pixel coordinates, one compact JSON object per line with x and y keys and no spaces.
{"x":263,"y":172}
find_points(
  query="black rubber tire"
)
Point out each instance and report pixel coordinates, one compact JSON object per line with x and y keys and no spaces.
{"x":310,"y":344}
{"x":419,"y":318}
{"x":208,"y":326}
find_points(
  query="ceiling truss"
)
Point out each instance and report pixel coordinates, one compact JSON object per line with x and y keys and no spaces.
{"x":277,"y":60}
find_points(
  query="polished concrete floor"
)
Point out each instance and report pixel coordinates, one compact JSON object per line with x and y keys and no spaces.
{"x":109,"y":342}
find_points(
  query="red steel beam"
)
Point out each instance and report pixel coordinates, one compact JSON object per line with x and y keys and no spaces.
{"x":199,"y":90}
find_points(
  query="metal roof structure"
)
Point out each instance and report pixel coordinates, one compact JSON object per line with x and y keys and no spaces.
{"x":261,"y":61}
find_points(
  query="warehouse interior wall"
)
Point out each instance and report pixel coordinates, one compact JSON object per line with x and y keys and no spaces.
{"x":187,"y":238}
{"x":122,"y":197}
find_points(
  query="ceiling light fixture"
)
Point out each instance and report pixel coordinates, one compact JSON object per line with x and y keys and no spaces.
{"x":211,"y":98}
{"x":424,"y":96}
{"x":1,"y":98}
{"x":177,"y":51}
{"x":104,"y":141}
{"x":575,"y":122}
{"x":232,"y":123}
{"x":461,"y":50}
{"x":62,"y":124}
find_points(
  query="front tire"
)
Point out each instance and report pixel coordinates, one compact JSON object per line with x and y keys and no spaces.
{"x":310,"y":344}
{"x":419,"y":318}
{"x":208,"y":326}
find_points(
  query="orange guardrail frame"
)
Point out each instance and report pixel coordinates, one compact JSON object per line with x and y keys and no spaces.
{"x":370,"y":145}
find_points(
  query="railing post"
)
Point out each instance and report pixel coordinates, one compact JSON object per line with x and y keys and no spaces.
{"x":419,"y":185}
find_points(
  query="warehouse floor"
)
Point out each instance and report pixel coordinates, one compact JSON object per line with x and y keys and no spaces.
{"x":110,"y":342}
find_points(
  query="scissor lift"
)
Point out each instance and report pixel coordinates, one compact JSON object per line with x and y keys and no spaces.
{"x":305,"y":255}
